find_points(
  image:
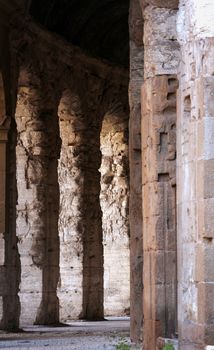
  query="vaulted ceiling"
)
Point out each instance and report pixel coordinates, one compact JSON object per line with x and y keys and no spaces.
{"x":99,"y":27}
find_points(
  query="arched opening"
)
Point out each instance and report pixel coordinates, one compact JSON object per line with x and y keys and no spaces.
{"x":114,"y":195}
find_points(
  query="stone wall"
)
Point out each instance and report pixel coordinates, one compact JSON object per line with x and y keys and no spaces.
{"x":114,"y":205}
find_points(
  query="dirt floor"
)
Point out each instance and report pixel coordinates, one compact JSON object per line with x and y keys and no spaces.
{"x":109,"y":335}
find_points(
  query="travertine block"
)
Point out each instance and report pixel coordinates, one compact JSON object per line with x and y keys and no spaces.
{"x":161,"y":47}
{"x":205,"y":302}
{"x":205,"y":218}
{"x":204,"y":262}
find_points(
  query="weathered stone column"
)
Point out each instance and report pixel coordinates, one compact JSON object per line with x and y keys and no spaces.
{"x":9,"y":260}
{"x":158,"y":161}
{"x":71,"y":218}
{"x":38,"y":200}
{"x":12,"y":259}
{"x":92,"y":238}
{"x":135,"y":165}
{"x":195,"y":174}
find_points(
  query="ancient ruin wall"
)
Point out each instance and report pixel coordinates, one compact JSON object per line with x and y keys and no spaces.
{"x":49,"y":65}
{"x":114,"y":204}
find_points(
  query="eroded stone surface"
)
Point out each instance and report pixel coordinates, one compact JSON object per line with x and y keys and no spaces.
{"x":114,"y":205}
{"x":38,"y":195}
{"x":71,"y":218}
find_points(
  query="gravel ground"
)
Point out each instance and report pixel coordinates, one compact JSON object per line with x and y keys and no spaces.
{"x":75,"y":336}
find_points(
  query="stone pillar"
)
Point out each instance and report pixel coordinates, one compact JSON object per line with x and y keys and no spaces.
{"x":159,"y":208}
{"x":12,"y":260}
{"x":135,"y":201}
{"x":4,"y":126}
{"x":9,"y":262}
{"x":92,"y":238}
{"x":38,"y":200}
{"x":161,"y":52}
{"x":195,"y":146}
{"x":71,"y":218}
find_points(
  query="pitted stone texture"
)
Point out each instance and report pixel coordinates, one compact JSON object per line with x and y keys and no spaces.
{"x":159,"y":207}
{"x":169,"y":4}
{"x":71,"y":219}
{"x":114,"y":205}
